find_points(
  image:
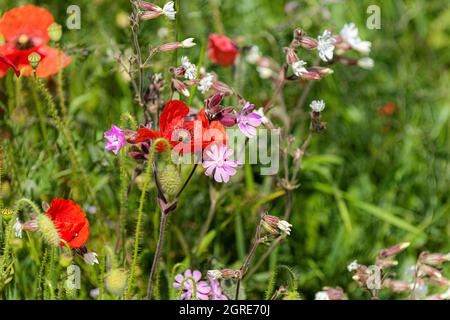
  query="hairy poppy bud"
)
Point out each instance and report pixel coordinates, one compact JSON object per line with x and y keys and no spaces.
{"x":7,"y":214}
{"x":170,"y":180}
{"x":55,"y":32}
{"x":115,"y":281}
{"x":48,"y":230}
{"x":34,"y":58}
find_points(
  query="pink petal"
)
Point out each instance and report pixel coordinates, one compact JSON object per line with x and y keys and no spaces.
{"x":197,"y":275}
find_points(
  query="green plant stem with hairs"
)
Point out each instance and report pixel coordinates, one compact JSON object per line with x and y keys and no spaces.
{"x":148,"y":171}
{"x":76,"y":163}
{"x":62,"y":99}
{"x":194,"y":284}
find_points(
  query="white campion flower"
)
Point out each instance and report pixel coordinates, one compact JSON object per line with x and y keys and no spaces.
{"x":350,"y":35}
{"x":325,"y":46}
{"x":322,"y":295}
{"x":299,"y":68}
{"x":354,"y":265}
{"x":285,"y":226}
{"x":206,"y":83}
{"x":188,"y":43}
{"x":366,"y":63}
{"x":260,"y":112}
{"x":253,"y":55}
{"x":90,"y":258}
{"x":264,"y":72}
{"x":17,"y":228}
{"x":169,"y":10}
{"x":190,"y":69}
{"x":317,"y":105}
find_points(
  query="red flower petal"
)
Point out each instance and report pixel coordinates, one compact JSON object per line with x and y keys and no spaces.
{"x":70,"y":220}
{"x":222,"y":50}
{"x":26,"y":20}
{"x":144,"y":134}
{"x":6,"y":64}
{"x":172,"y":116}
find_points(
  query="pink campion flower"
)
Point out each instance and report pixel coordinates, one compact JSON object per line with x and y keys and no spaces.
{"x":217,"y":158}
{"x":115,"y":139}
{"x":203,"y":289}
{"x":216,"y":290}
{"x":248,"y":121}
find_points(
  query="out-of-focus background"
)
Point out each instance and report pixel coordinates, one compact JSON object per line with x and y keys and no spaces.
{"x":382,"y":166}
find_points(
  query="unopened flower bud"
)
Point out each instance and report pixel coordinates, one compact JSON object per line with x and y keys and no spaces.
{"x":55,"y":32}
{"x":291,"y":56}
{"x":149,"y":6}
{"x":171,"y":46}
{"x":149,"y":15}
{"x":299,"y":34}
{"x":222,"y":87}
{"x":434,"y":258}
{"x":228,"y":119}
{"x":180,"y":87}
{"x":34,"y":58}
{"x":170,"y":181}
{"x":231,"y":274}
{"x":429,"y":271}
{"x":308,"y":42}
{"x":321,"y":70}
{"x":31,"y":225}
{"x":116,"y":281}
{"x":393,"y":250}
{"x":366,"y":63}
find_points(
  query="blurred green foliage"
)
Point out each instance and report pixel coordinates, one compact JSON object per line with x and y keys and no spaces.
{"x":389,"y":173}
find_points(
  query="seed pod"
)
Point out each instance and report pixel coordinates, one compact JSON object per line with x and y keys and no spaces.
{"x":115,"y":281}
{"x":7,"y":214}
{"x":170,"y":181}
{"x":34,"y":58}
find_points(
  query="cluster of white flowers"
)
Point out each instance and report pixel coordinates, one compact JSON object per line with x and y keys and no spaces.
{"x":206,"y":83}
{"x":190,"y":69}
{"x":325,"y":46}
{"x":350,"y":35}
{"x":299,"y":68}
{"x":317,"y":105}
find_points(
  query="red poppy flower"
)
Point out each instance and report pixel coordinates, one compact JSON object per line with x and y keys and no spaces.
{"x":5,"y":63}
{"x":222,"y":50}
{"x":25,"y":30}
{"x":184,"y":132}
{"x":71,"y":222}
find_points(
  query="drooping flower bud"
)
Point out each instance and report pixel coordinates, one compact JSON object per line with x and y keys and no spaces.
{"x":116,"y":281}
{"x":55,"y":32}
{"x":170,"y":180}
{"x":48,"y":230}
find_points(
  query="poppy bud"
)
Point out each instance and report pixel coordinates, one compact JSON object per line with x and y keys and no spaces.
{"x":65,"y":260}
{"x":7,"y":214}
{"x":34,"y":58}
{"x":5,"y":189}
{"x":48,"y":230}
{"x":55,"y":32}
{"x":116,"y":281}
{"x":170,"y":181}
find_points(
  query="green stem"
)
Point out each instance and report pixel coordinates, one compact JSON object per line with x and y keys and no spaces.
{"x":140,"y":213}
{"x":62,"y":100}
{"x":194,"y":283}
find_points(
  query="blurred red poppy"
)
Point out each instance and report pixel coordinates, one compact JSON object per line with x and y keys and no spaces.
{"x":222,"y":50}
{"x":388,"y":109}
{"x":25,"y":30}
{"x":185,"y":133}
{"x":71,"y":222}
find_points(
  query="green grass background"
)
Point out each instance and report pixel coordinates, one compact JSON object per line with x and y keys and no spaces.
{"x":391,"y":175}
